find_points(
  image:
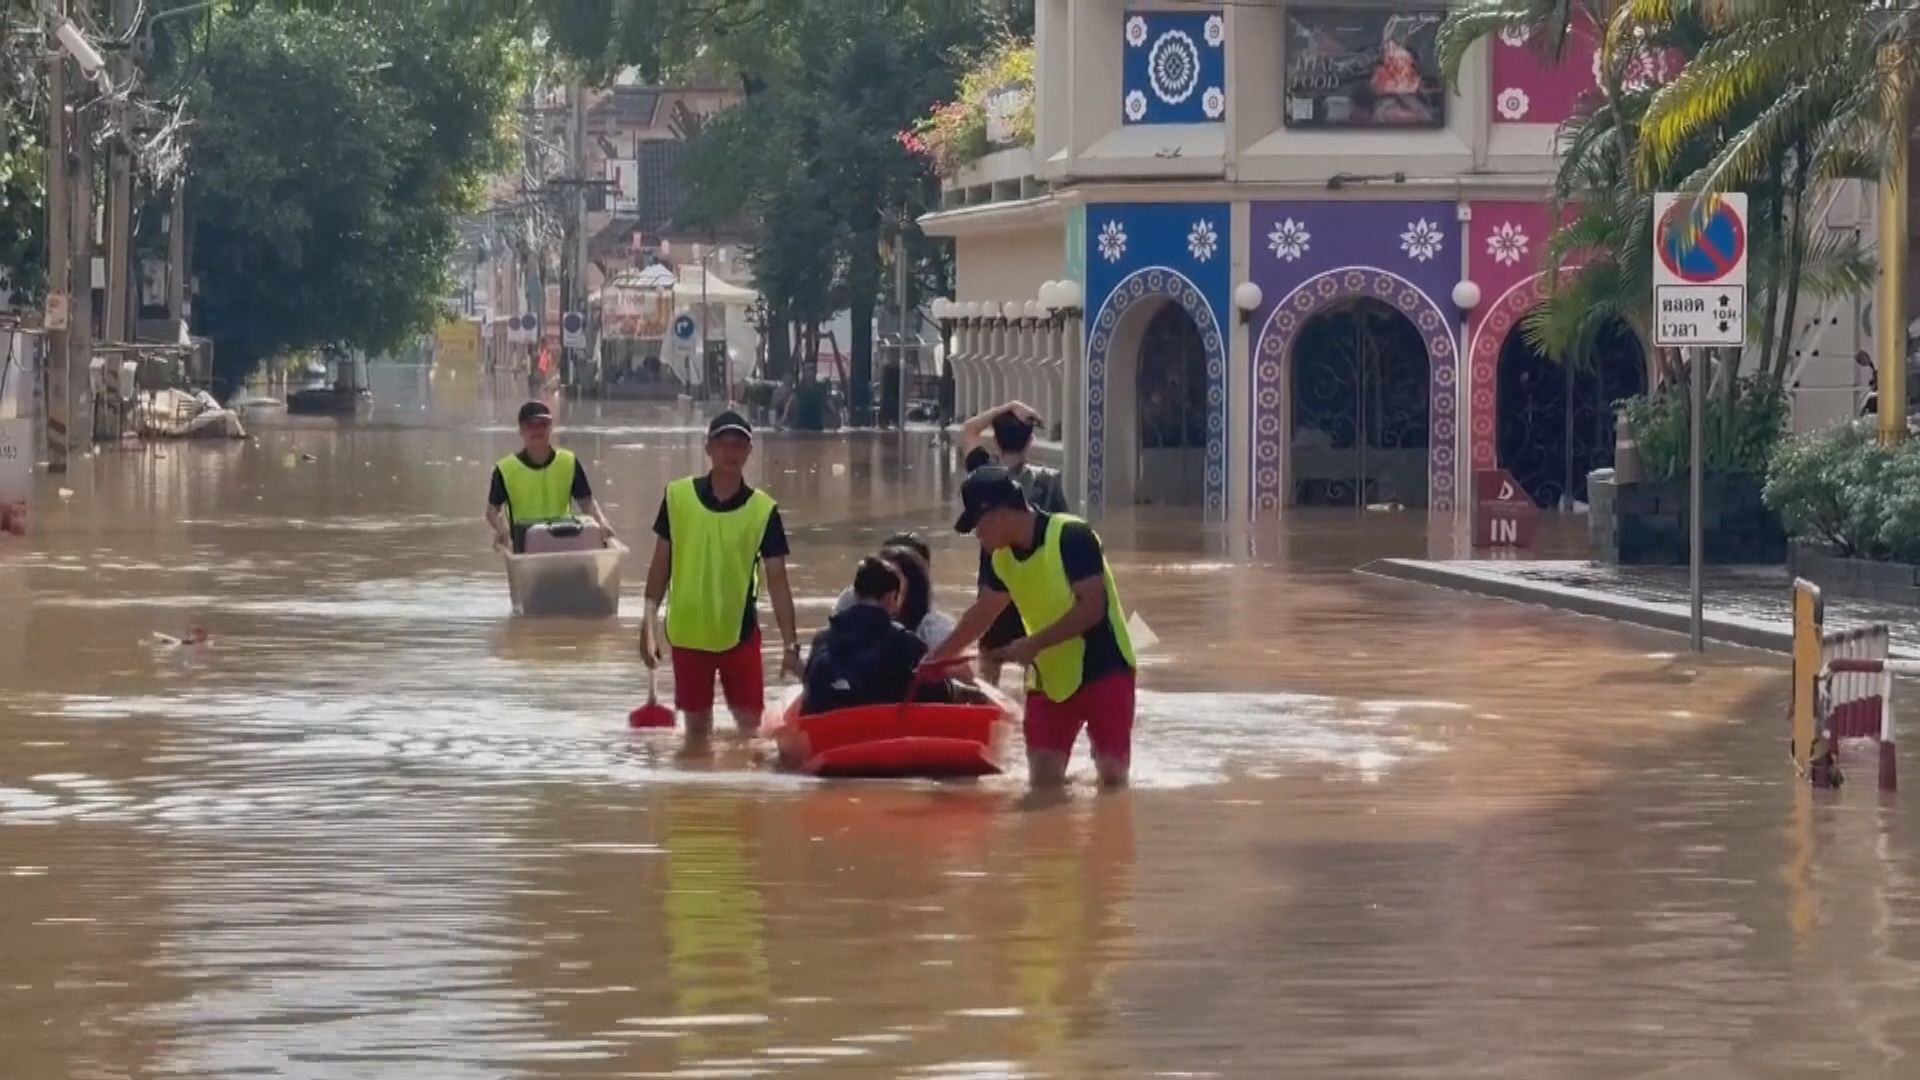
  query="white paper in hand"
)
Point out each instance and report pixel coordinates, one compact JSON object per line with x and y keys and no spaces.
{"x":1143,"y":636}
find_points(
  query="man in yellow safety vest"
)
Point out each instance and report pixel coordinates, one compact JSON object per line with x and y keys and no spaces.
{"x":540,"y":483}
{"x":716,"y":536}
{"x":1079,"y":657}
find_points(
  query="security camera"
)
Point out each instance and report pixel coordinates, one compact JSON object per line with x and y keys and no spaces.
{"x":79,"y":47}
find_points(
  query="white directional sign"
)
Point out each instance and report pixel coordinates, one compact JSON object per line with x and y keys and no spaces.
{"x":1699,"y":270}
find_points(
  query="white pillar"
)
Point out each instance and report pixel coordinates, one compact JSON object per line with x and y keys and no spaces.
{"x":1242,"y":354}
{"x":998,"y":339}
{"x":1025,"y":342}
{"x":1074,"y":411}
{"x":957,"y":364}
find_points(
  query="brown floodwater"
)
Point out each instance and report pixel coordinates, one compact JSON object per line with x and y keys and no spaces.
{"x":381,"y":828}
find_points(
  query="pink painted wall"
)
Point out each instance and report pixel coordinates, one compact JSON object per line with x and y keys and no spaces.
{"x":1529,"y":89}
{"x":1506,"y":248}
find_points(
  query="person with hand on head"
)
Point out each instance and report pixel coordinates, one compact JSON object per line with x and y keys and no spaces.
{"x":716,"y":537}
{"x":540,"y":483}
{"x":1079,"y":657}
{"x":1012,"y":426}
{"x":865,"y":656}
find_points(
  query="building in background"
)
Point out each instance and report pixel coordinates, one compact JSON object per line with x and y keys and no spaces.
{"x":1300,"y":264}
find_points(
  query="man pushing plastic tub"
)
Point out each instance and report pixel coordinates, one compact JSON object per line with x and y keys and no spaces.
{"x":716,"y":536}
{"x":1079,"y":657}
{"x":539,"y":485}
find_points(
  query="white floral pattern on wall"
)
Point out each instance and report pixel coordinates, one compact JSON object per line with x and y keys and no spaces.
{"x":1113,"y":242}
{"x":1176,"y":63}
{"x":1422,"y":240}
{"x":1289,"y":240}
{"x":1513,"y":103}
{"x":1507,"y":243}
{"x":1202,"y":240}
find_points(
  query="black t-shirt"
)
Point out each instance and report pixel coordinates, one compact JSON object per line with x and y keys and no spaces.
{"x":1081,"y":554}
{"x":497,"y":490}
{"x":773,"y":543}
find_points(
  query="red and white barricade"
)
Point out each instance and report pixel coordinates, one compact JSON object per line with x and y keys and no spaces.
{"x":1856,"y":702}
{"x":1842,"y":683}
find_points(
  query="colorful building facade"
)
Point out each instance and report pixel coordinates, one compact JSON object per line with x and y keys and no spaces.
{"x":1300,"y":266}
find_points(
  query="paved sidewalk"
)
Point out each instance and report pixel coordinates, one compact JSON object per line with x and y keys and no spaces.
{"x":1749,"y":606}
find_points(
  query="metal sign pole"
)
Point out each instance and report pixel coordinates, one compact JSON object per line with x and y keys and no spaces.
{"x":1697,"y":409}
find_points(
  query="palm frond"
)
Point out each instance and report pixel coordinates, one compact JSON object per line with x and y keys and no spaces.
{"x":1727,"y":72}
{"x":1836,"y":263}
{"x":1466,"y":27}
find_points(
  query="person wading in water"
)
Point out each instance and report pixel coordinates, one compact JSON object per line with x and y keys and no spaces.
{"x":541,"y":483}
{"x":716,"y":536}
{"x":1012,"y":426}
{"x":1079,"y":656}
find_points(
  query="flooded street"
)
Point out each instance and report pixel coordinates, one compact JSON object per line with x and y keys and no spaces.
{"x":381,"y":828}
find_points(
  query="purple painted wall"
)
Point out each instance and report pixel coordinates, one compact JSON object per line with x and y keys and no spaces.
{"x":1309,"y":256}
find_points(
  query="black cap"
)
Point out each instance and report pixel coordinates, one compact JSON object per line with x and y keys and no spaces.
{"x":535,"y":410}
{"x":989,"y":487}
{"x":730,"y":421}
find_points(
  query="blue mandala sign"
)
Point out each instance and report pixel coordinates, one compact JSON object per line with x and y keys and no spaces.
{"x":1175,"y":68}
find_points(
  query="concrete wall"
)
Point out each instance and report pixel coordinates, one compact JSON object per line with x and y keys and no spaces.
{"x":1002,"y":266}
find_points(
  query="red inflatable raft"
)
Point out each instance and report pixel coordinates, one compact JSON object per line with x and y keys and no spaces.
{"x":889,"y":740}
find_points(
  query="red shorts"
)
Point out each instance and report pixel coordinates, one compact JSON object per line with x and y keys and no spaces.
{"x":741,"y":673}
{"x":1104,"y":707}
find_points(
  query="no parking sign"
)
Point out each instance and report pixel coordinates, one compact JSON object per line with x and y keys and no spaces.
{"x":1699,"y":269}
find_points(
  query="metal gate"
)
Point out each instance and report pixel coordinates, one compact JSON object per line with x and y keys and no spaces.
{"x":1171,"y":388}
{"x":1361,"y":405}
{"x":1550,"y":439}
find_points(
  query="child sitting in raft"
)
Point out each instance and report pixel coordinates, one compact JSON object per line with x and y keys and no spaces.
{"x":864,"y":656}
{"x":910,"y":555}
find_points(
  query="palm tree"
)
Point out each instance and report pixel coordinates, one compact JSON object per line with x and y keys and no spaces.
{"x":1717,"y":122}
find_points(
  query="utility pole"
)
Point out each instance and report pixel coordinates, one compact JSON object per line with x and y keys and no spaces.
{"x":900,"y":299}
{"x":80,"y":275}
{"x":119,"y":323}
{"x":575,"y":257}
{"x":59,"y":395}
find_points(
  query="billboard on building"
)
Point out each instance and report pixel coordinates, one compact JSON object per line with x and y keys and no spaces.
{"x":1358,"y":67}
{"x":633,"y":314}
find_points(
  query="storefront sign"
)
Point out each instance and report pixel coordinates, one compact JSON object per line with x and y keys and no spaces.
{"x":1363,"y":68}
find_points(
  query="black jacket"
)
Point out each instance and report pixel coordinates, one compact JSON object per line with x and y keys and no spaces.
{"x":863,"y":657}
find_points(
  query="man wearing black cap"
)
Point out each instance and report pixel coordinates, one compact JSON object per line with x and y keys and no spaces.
{"x":716,"y":536}
{"x":540,"y":483}
{"x":1079,"y":658}
{"x":1012,"y":426}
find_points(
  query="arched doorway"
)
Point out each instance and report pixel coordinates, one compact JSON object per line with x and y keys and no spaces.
{"x":1361,"y":408}
{"x":1170,"y":392}
{"x":1122,"y":365}
{"x":1550,"y":439}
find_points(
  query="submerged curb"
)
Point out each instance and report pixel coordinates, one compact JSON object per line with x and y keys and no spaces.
{"x":1763,"y":634}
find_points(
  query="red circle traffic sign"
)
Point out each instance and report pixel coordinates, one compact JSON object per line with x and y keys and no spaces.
{"x":1719,"y":247}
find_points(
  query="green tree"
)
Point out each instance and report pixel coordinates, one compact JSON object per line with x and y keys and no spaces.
{"x":333,"y":154}
{"x":813,"y":160}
